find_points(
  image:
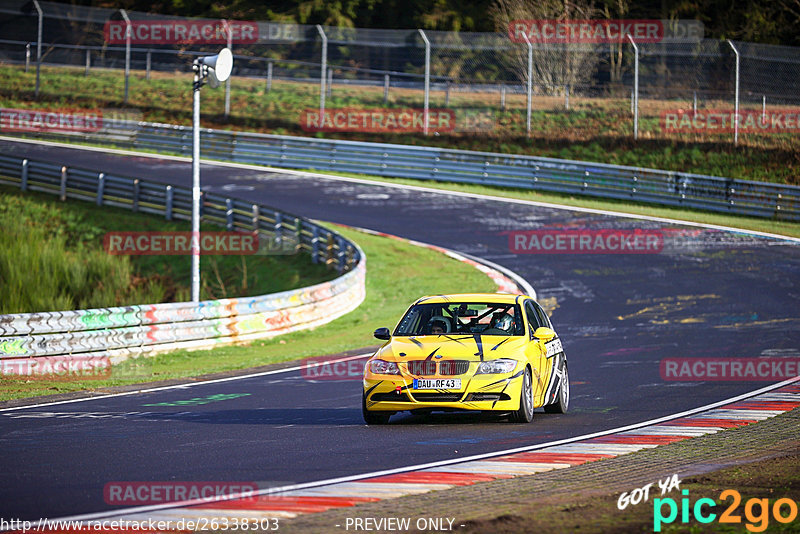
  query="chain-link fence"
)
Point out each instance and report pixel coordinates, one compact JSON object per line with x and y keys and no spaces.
{"x":509,"y":80}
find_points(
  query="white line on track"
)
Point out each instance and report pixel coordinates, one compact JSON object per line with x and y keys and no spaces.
{"x":190,"y":384}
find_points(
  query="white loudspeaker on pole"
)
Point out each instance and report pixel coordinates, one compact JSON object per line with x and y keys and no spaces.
{"x":213,"y":70}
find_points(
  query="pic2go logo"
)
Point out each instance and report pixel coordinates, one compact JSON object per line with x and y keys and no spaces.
{"x":756,"y":511}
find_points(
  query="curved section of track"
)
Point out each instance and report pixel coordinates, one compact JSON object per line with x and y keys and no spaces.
{"x":713,"y":294}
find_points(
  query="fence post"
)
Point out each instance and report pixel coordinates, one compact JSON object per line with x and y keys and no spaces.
{"x":63,"y":183}
{"x":269,"y":76}
{"x":566,"y":96}
{"x":503,"y":97}
{"x":88,"y":62}
{"x":427,"y":78}
{"x":635,"y":88}
{"x":330,"y":82}
{"x":127,"y":51}
{"x":385,"y":88}
{"x":694,"y":104}
{"x":101,"y":187}
{"x":23,"y":184}
{"x":38,"y":46}
{"x":148,"y":64}
{"x":135,"y":206}
{"x":736,"y":102}
{"x":168,"y":206}
{"x":447,"y":95}
{"x":27,"y":57}
{"x":229,"y":214}
{"x":763,"y":107}
{"x":323,"y":68}
{"x":530,"y":83}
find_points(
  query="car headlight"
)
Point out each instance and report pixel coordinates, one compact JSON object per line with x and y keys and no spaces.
{"x":382,"y":367}
{"x":495,"y":367}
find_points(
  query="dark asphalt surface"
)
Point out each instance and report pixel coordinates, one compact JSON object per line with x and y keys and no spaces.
{"x":708,"y":294}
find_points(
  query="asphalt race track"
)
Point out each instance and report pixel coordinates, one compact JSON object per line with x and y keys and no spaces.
{"x":706,"y":294}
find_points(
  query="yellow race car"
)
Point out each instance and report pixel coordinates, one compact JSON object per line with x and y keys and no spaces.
{"x":487,"y":352}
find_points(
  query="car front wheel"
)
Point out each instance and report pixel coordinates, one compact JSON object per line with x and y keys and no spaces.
{"x":373,"y":418}
{"x":525,"y":412}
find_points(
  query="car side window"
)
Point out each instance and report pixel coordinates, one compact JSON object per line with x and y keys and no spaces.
{"x":533,"y":318}
{"x":543,"y":319}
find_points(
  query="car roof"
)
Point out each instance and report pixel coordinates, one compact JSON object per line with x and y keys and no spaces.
{"x":500,"y":298}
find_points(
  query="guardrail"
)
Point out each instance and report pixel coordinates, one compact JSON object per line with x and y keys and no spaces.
{"x":666,"y":188}
{"x":53,"y":339}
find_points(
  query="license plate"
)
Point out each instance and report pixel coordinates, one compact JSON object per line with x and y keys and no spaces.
{"x":437,"y":383}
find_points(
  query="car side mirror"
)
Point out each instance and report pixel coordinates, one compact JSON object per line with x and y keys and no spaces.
{"x":383,"y":333}
{"x":544,"y":333}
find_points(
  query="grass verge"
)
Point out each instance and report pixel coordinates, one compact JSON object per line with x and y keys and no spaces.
{"x":52,"y":258}
{"x":397,"y":273}
{"x":593,"y":129}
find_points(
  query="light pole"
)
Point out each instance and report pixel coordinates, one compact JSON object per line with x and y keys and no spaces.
{"x":214,"y":69}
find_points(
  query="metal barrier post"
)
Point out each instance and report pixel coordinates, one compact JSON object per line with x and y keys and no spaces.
{"x":88,"y":62}
{"x":503,"y":97}
{"x":148,"y":64}
{"x":315,"y":244}
{"x":24,"y":178}
{"x":101,"y":187}
{"x":255,"y":218}
{"x":168,"y":204}
{"x":229,"y":214}
{"x":63,"y":195}
{"x":27,"y":57}
{"x":385,"y":88}
{"x":566,"y":96}
{"x":269,"y":76}
{"x":323,"y":69}
{"x":330,"y":82}
{"x":135,"y":206}
{"x":427,"y":78}
{"x":736,"y":102}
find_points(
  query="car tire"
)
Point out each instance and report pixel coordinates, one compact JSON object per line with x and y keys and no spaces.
{"x":373,"y":418}
{"x":525,"y":412}
{"x":561,"y":405}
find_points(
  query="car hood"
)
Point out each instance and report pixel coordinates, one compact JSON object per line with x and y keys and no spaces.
{"x":455,"y":347}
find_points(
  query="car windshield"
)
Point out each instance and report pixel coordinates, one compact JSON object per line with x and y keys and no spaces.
{"x":490,"y":319}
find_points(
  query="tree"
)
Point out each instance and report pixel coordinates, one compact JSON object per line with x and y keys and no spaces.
{"x":554,"y":65}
